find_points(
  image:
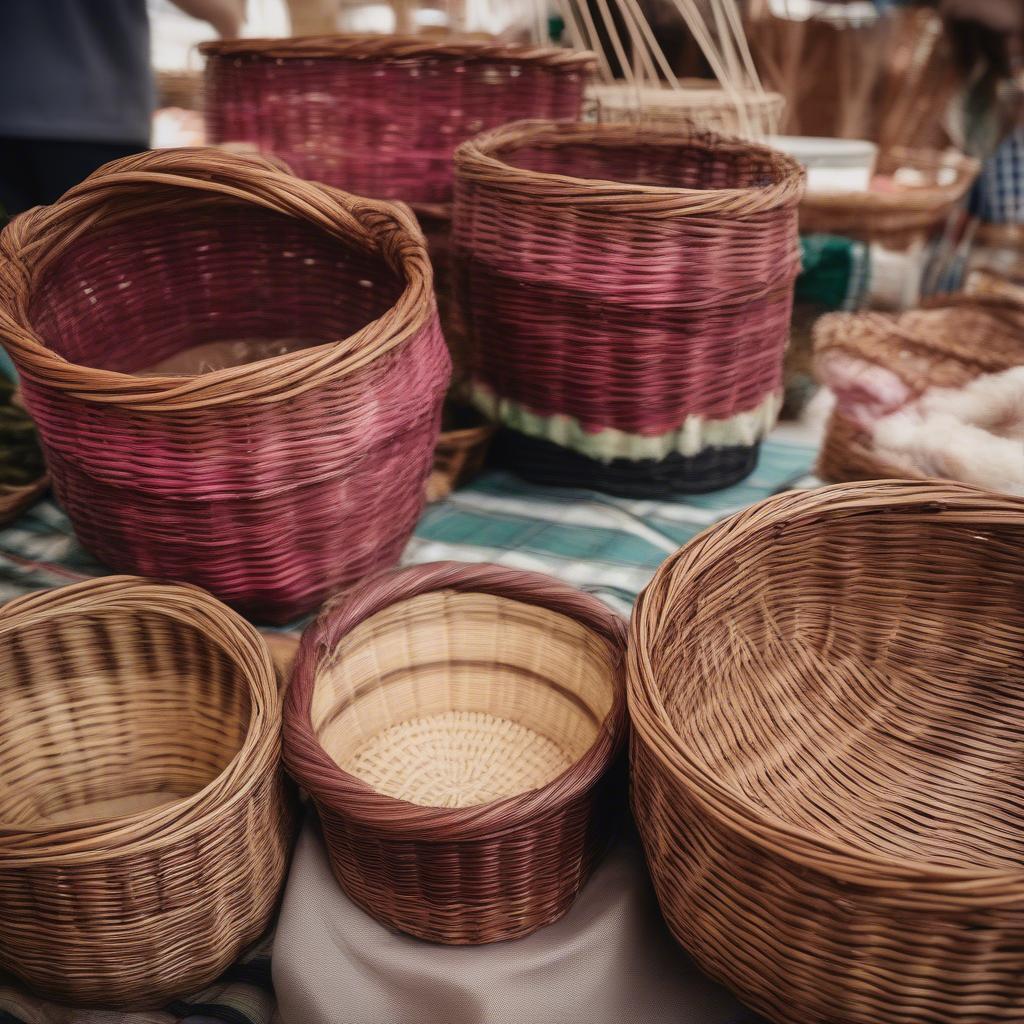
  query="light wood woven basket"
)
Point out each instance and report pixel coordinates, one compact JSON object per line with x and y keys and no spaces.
{"x":455,"y":725}
{"x":145,"y":825}
{"x":826,"y":697}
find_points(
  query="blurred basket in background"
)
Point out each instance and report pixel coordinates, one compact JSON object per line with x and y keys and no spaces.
{"x":146,"y":820}
{"x":179,"y":88}
{"x":279,"y":473}
{"x":627,"y":292}
{"x":455,"y":725}
{"x":874,"y":880}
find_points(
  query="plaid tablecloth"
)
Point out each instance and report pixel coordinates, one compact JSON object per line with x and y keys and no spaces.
{"x":607,"y":546}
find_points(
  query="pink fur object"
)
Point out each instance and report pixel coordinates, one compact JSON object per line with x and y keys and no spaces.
{"x":974,"y":434}
{"x":864,"y":391}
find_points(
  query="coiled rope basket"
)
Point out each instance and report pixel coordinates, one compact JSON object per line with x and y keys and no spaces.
{"x":455,"y":725}
{"x":268,"y":483}
{"x":627,"y":293}
{"x":825,"y":693}
{"x":145,"y":825}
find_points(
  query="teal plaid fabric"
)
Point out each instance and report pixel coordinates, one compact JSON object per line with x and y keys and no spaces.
{"x":607,"y":546}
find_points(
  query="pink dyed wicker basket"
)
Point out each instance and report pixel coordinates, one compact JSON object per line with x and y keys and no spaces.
{"x":382,"y":115}
{"x":268,"y":483}
{"x":627,"y":292}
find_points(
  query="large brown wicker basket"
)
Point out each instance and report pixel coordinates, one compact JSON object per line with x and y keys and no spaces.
{"x":145,"y":825}
{"x":826,"y":699}
{"x":269,"y":482}
{"x":949,"y":342}
{"x":455,"y":725}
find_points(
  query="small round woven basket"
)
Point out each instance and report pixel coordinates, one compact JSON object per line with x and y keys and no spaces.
{"x":269,"y":480}
{"x":455,"y":725}
{"x":934,"y":183}
{"x":627,"y":295}
{"x":949,"y":342}
{"x":145,"y":822}
{"x":825,"y":693}
{"x":696,"y":104}
{"x":381,"y":115}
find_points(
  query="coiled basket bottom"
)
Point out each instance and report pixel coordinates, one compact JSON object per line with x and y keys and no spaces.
{"x":545,"y":462}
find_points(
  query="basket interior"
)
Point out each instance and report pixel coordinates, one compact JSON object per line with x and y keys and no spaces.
{"x":108,"y":714}
{"x":689,"y":165}
{"x":456,"y":699}
{"x":861,"y":678}
{"x":138,"y":291}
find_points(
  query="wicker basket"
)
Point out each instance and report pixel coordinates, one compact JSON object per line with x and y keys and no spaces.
{"x":826,"y":699}
{"x":697,"y":103}
{"x":455,"y":725}
{"x":946,"y":344}
{"x":901,"y":215}
{"x":145,"y":825}
{"x":182,"y":89}
{"x":461,"y":450}
{"x":381,"y":115}
{"x":268,"y":483}
{"x":627,"y":293}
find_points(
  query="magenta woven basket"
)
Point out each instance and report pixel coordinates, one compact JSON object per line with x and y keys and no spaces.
{"x":270,"y":482}
{"x":627,"y":294}
{"x":381,"y":115}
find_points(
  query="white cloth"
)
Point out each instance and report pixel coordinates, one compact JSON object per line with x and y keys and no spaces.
{"x":610,"y":960}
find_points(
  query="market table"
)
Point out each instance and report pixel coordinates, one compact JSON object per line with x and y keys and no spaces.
{"x":607,"y":546}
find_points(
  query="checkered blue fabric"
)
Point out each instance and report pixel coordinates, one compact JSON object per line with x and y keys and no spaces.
{"x":998,"y":196}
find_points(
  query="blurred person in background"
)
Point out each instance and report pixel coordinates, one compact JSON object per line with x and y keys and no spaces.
{"x":76,"y":88}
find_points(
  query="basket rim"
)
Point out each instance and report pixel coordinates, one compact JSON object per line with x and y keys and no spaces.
{"x":480,"y":160}
{"x":906,"y":882}
{"x":193,"y":177}
{"x":689,"y":88}
{"x":92,"y":840}
{"x":343,"y":793}
{"x":364,"y":46}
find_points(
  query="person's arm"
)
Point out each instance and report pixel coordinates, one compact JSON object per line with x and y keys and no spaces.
{"x":226,"y":16}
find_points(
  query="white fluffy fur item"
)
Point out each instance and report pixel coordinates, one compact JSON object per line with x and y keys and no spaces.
{"x":974,"y":434}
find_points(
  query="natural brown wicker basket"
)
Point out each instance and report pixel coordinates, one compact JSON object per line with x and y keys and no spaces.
{"x":901,"y":215}
{"x":826,"y":699}
{"x":455,"y":725}
{"x":145,"y":825}
{"x":949,"y":342}
{"x":461,"y":450}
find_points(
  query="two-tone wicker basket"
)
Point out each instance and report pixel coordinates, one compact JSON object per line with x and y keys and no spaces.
{"x":825,"y":693}
{"x":455,"y":725}
{"x":145,"y":823}
{"x":627,"y":293}
{"x":947,"y":343}
{"x":268,"y":483}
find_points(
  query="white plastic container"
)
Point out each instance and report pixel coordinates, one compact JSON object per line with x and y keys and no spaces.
{"x":833,"y":165}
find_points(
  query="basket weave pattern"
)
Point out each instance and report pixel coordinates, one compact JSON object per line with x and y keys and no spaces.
{"x":268,"y":483}
{"x":627,"y":291}
{"x":145,"y":825}
{"x":454,"y":725}
{"x":381,"y":115}
{"x":826,"y":699}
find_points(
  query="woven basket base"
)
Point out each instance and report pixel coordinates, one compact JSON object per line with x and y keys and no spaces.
{"x":458,"y":759}
{"x":544,"y":462}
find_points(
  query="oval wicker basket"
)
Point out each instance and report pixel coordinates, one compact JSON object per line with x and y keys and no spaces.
{"x":145,"y":824}
{"x":826,"y":699}
{"x":455,"y":725}
{"x":381,"y":115}
{"x":268,"y":483}
{"x":697,"y":104}
{"x":627,"y":294}
{"x":901,"y":216}
{"x":947,"y":343}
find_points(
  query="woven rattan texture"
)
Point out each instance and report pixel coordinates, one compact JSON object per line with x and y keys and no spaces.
{"x":270,"y":483}
{"x":145,"y":825}
{"x":381,"y":115}
{"x":900,"y":216}
{"x":825,"y":693}
{"x":625,"y":279}
{"x":532,"y":665}
{"x":946,"y":344}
